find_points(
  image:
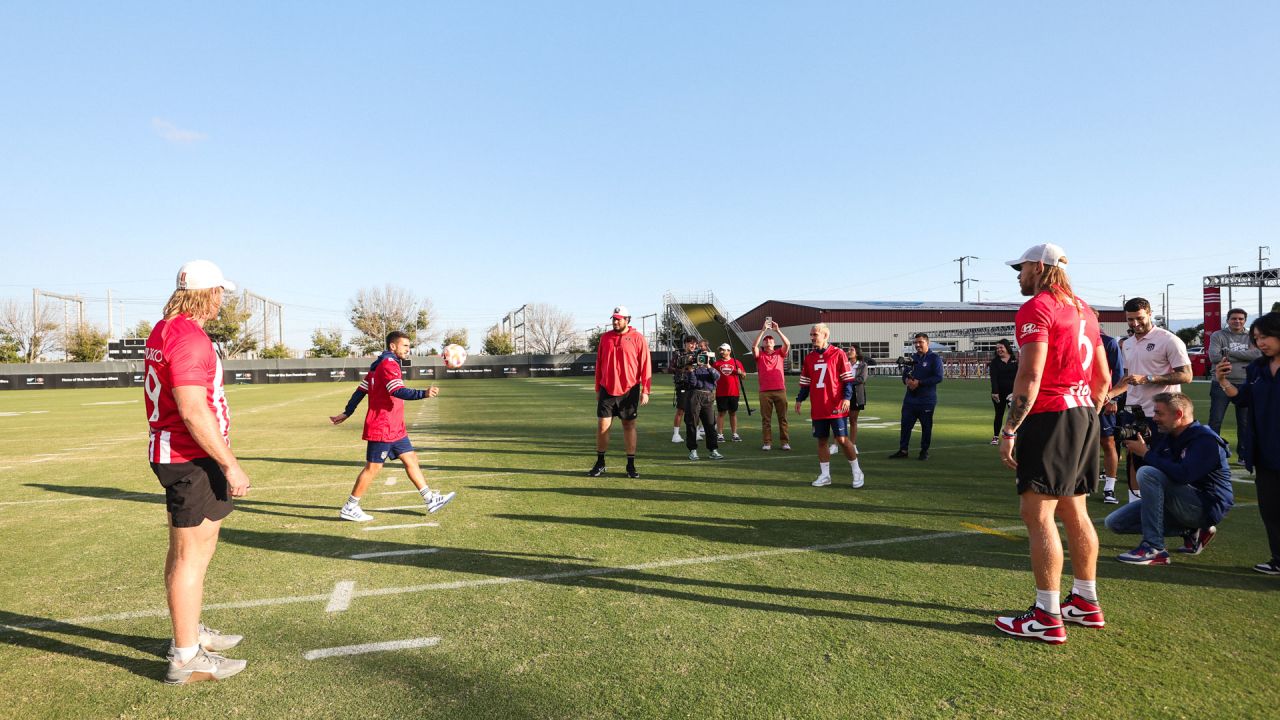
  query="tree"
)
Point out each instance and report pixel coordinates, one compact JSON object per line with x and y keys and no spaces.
{"x":141,"y":330}
{"x":10,"y":349}
{"x":375,"y":312}
{"x":1190,"y":335}
{"x":34,"y":334}
{"x":497,"y":342}
{"x":230,"y":330}
{"x":549,"y":329}
{"x":328,"y":344}
{"x":455,"y":336}
{"x":86,"y":344}
{"x":1275,"y":307}
{"x":279,"y":351}
{"x":593,"y":340}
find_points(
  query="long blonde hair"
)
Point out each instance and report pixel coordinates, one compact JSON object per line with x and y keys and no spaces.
{"x":199,"y":304}
{"x":1055,"y":282}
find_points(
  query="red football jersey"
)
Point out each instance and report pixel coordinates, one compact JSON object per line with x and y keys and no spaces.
{"x":1072,"y":336}
{"x":384,"y":420}
{"x":622,"y":362}
{"x":825,"y":373}
{"x":727,"y":385}
{"x":179,"y":353}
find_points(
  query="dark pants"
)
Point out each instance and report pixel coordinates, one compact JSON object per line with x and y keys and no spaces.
{"x":1218,"y":402}
{"x":700,"y":406}
{"x":910,"y":414}
{"x":1001,"y":405}
{"x":1268,"y":486}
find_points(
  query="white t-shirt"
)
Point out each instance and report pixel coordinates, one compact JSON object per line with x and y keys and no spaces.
{"x":1157,"y":353}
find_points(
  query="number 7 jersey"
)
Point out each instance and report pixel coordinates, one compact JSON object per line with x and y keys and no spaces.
{"x":179,"y":353}
{"x":825,"y":374}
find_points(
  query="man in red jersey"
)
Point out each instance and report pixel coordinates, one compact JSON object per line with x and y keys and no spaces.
{"x":623,"y":377}
{"x":384,"y":429}
{"x":827,"y":380}
{"x":731,"y":374}
{"x":190,"y":453}
{"x":1051,"y":439}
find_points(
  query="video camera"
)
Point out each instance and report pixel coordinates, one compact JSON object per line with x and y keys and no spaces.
{"x":1132,"y":424}
{"x":683,"y":361}
{"x":906,"y":362}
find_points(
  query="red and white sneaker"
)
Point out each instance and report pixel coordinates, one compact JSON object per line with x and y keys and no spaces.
{"x":1035,"y":623}
{"x":1076,"y":609}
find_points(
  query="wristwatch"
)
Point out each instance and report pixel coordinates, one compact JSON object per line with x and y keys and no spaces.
{"x":1149,"y":379}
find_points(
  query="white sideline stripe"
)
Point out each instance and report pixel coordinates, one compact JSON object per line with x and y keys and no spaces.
{"x":371,"y":648}
{"x":391,"y":481}
{"x":340,"y":599}
{"x":111,"y":402}
{"x":126,"y":495}
{"x":394,"y":553}
{"x":399,"y":527}
{"x":419,"y":506}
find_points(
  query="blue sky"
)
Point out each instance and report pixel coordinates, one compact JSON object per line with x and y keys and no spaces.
{"x":487,"y":155}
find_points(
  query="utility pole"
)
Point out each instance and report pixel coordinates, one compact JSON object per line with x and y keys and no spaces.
{"x":963,"y":261}
{"x":1230,"y":269}
{"x":1167,"y":303}
{"x":1260,"y":249}
{"x":110,"y":327}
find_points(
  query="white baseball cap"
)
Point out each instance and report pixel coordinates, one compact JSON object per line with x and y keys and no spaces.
{"x":202,"y":275}
{"x":621,"y":312}
{"x":726,"y":346}
{"x":1048,"y":253}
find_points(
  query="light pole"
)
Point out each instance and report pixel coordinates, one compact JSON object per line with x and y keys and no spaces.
{"x":1260,"y":249}
{"x":1230,"y":269}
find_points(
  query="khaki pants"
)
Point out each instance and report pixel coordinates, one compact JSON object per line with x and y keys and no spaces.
{"x":769,"y":401}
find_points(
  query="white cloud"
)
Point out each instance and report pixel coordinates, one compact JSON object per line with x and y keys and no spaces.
{"x":174,"y":134}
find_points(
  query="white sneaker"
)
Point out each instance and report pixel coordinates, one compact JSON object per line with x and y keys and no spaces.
{"x":736,"y":437}
{"x":204,"y":666}
{"x":832,"y":448}
{"x":675,"y":438}
{"x":766,"y":447}
{"x":693,"y":454}
{"x":1135,"y":495}
{"x":786,"y":446}
{"x":354,"y":513}
{"x":701,"y":435}
{"x":859,"y":479}
{"x":822,"y":481}
{"x":436,"y":500}
{"x":715,"y":455}
{"x":216,"y":640}
{"x":719,"y":437}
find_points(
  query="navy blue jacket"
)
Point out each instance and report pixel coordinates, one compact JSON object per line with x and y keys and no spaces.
{"x":703,"y":377}
{"x":1196,"y":457}
{"x":928,"y":370}
{"x":1261,"y":394}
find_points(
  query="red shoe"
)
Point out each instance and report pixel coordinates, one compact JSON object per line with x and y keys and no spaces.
{"x":1076,"y":609}
{"x":1035,"y":623}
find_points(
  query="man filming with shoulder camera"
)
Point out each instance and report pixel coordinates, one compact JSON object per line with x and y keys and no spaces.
{"x":1185,"y":483}
{"x":921,"y":373}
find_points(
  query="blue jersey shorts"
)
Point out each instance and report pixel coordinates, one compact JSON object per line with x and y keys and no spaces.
{"x":380,"y":452}
{"x":832,"y":426}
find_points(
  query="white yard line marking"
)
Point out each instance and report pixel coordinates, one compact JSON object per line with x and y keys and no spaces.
{"x":391,"y":481}
{"x":127,"y":495}
{"x":399,"y":527}
{"x":419,"y":506}
{"x":371,"y":648}
{"x":394,"y":553}
{"x":340,"y":599}
{"x":111,"y":402}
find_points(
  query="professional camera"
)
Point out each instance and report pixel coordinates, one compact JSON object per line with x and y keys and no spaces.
{"x":906,"y":362}
{"x":1132,"y":424}
{"x":682,"y":360}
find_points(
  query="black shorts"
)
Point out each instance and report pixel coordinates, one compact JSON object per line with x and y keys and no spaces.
{"x":625,"y":406}
{"x":682,"y":397}
{"x":194,"y":491}
{"x":1057,"y":453}
{"x":727,"y":403}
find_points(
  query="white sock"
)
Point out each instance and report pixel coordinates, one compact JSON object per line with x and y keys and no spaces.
{"x":1109,"y":484}
{"x":184,"y":655}
{"x":824,"y":468}
{"x":1048,"y":601}
{"x":353,"y":501}
{"x":854,"y":464}
{"x":1087,"y":589}
{"x":425,"y":492}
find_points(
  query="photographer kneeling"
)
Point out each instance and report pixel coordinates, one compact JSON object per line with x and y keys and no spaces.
{"x":1185,"y":483}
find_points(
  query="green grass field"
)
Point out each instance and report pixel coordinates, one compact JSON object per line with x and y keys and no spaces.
{"x":725,"y":589}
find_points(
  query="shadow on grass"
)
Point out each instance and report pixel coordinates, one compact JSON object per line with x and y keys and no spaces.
{"x":257,"y":507}
{"x":29,"y":632}
{"x":544,"y":569}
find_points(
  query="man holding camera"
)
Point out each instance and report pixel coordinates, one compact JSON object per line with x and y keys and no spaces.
{"x":1231,"y":343}
{"x":1185,"y":483}
{"x":699,"y":378}
{"x":1156,"y":361}
{"x":676,"y":367}
{"x":921,"y":373}
{"x":773,"y":383}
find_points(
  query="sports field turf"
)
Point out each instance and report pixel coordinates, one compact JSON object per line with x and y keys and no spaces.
{"x":725,"y":589}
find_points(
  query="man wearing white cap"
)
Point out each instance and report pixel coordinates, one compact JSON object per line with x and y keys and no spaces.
{"x":190,"y":453}
{"x":623,"y":376}
{"x":731,"y":374}
{"x":1051,"y":440}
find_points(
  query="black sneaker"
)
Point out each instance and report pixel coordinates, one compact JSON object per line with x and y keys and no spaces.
{"x":924,"y":455}
{"x":898,"y":455}
{"x":632,"y":472}
{"x":1270,"y":567}
{"x":596,"y":470}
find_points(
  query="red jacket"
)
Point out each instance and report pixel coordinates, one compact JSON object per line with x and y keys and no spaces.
{"x":622,"y":361}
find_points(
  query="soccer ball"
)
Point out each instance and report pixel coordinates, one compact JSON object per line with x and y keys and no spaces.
{"x":453,"y":356}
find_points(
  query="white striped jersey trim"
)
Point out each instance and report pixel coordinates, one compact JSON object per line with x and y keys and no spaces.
{"x":159,"y":447}
{"x":394,"y":384}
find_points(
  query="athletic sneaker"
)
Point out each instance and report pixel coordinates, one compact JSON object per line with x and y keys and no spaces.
{"x":831,"y":449}
{"x":736,"y":437}
{"x":1135,"y":495}
{"x":786,"y":447}
{"x":822,"y":481}
{"x":204,"y":666}
{"x":859,"y":479}
{"x":632,"y":472}
{"x":596,"y":470}
{"x":1109,"y":497}
{"x":924,"y":455}
{"x":720,"y":437}
{"x":675,"y":437}
{"x":1088,"y":613}
{"x":995,"y":439}
{"x":1270,"y":567}
{"x":354,"y":513}
{"x":1144,"y":554}
{"x":701,"y":433}
{"x":1193,"y":541}
{"x":216,"y":640}
{"x":898,"y":455}
{"x":766,"y":447}
{"x":715,"y":455}
{"x":693,"y":454}
{"x":436,"y":500}
{"x":1035,"y":623}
